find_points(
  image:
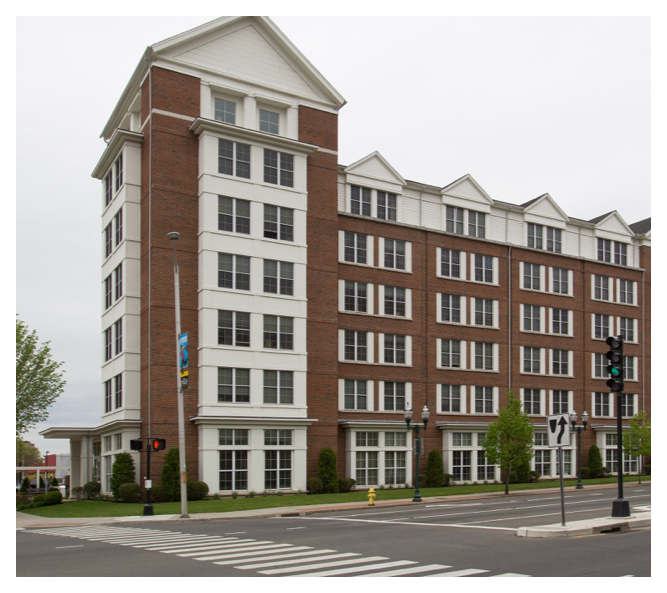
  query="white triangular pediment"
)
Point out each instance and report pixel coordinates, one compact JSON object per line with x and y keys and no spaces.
{"x":466,"y":188}
{"x":375,"y":166}
{"x":614,"y":224}
{"x":546,"y":207}
{"x":251,"y":49}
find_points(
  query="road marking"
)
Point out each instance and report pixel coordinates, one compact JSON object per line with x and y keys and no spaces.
{"x":252,"y":545}
{"x":408,"y":570}
{"x":165,"y":545}
{"x":511,"y":574}
{"x":411,"y":523}
{"x":63,"y":547}
{"x":296,"y":561}
{"x":460,"y":573}
{"x":295,"y":528}
{"x":472,"y":504}
{"x":553,"y":504}
{"x":223,"y":556}
{"x":365,"y":514}
{"x":527,"y":516}
{"x":339,"y":571}
{"x":270,"y":555}
{"x":235,"y":533}
{"x":327,"y":565}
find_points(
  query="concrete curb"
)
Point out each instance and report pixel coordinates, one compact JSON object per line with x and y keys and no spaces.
{"x":587,"y":527}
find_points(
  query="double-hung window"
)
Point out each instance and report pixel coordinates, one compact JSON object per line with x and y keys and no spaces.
{"x":626,"y":292}
{"x":450,"y":356}
{"x":554,"y":240}
{"x":233,"y":328}
{"x":483,"y":400}
{"x":621,"y":254}
{"x":277,"y":438}
{"x":108,"y":292}
{"x":600,"y":363}
{"x":269,"y":121}
{"x":118,"y":339}
{"x":107,"y":396}
{"x":355,"y":247}
{"x":602,"y":326}
{"x":483,"y":356}
{"x":450,"y":309}
{"x":278,"y":332}
{"x":394,"y":254}
{"x":233,"y":215}
{"x":118,"y":224}
{"x":233,"y":271}
{"x":386,"y":206}
{"x":627,"y":329}
{"x":629,"y":368}
{"x":560,"y":362}
{"x":450,"y":398}
{"x":108,"y":240}
{"x":532,"y":401}
{"x":356,"y":299}
{"x":355,"y":394}
{"x":224,"y":111}
{"x":118,"y":391}
{"x":108,"y":189}
{"x":233,"y":385}
{"x":278,"y":277}
{"x":560,"y":401}
{"x":278,"y":168}
{"x":233,"y":158}
{"x":277,"y":470}
{"x":233,"y":470}
{"x":462,"y":465}
{"x":531,"y":276}
{"x":454,"y":220}
{"x":355,"y":345}
{"x":476,"y":224}
{"x":394,"y":349}
{"x":278,"y":223}
{"x":531,"y":360}
{"x":532,"y":316}
{"x":601,"y":287}
{"x":560,"y":321}
{"x":601,"y":404}
{"x":107,"y":343}
{"x":627,"y":405}
{"x":604,"y":250}
{"x":483,"y":268}
{"x":394,"y":396}
{"x":535,"y":235}
{"x":360,"y":200}
{"x":366,"y":472}
{"x":278,"y":387}
{"x":118,"y":171}
{"x":118,"y":282}
{"x":394,"y":301}
{"x":560,"y":281}
{"x":484,"y":312}
{"x":394,"y":465}
{"x":450,"y":263}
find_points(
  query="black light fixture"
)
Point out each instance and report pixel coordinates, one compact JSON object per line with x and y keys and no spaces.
{"x":573,"y":422}
{"x":419,"y":447}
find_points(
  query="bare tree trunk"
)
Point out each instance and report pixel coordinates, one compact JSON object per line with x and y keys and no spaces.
{"x":507,"y":480}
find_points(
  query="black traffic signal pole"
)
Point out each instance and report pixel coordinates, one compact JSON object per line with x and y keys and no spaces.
{"x":148,"y":507}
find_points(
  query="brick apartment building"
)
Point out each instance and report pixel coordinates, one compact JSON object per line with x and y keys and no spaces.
{"x":319,"y":298}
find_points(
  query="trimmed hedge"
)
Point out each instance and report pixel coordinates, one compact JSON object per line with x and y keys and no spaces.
{"x":346,"y":484}
{"x":315,"y":486}
{"x":129,"y":492}
{"x":54,"y":497}
{"x":197,"y":490}
{"x":327,"y":470}
{"x":435,"y":470}
{"x":92,"y":489}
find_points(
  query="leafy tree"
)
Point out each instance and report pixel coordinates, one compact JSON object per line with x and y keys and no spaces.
{"x":25,"y":485}
{"x":435,"y":469}
{"x":327,"y":470}
{"x":509,"y":440}
{"x":27,"y":454}
{"x":170,"y":476}
{"x":637,"y":440}
{"x":38,"y":382}
{"x":594,"y":461}
{"x":122,"y":472}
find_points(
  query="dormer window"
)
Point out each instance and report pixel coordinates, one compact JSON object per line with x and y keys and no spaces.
{"x":118,"y":171}
{"x":360,"y":202}
{"x":225,"y":111}
{"x":620,"y":251}
{"x":269,"y":121}
{"x":454,"y":220}
{"x":386,"y":206}
{"x":536,"y":238}
{"x":621,"y":254}
{"x":476,"y":224}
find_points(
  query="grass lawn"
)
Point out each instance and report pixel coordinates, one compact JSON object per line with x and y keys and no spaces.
{"x":94,"y":508}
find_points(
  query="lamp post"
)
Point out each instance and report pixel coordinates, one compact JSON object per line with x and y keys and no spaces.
{"x":584,"y":421}
{"x":46,"y":464}
{"x":173,"y":237}
{"x":418,"y":444}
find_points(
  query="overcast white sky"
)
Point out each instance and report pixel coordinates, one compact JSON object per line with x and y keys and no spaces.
{"x":525,"y":105}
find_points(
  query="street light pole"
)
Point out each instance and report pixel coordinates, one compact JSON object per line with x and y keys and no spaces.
{"x":173,"y":237}
{"x":584,"y":420}
{"x":408,"y":417}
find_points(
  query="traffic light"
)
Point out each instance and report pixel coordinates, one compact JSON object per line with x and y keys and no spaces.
{"x":157,"y":444}
{"x":136,"y":445}
{"x":615,"y":366}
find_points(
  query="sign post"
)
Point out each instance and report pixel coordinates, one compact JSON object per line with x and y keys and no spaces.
{"x":558,"y":431}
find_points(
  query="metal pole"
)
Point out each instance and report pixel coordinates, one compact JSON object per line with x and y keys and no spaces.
{"x":562,"y":491}
{"x":148,"y":507}
{"x":620,"y":507}
{"x":580,"y":484}
{"x":179,"y":393}
{"x":417,"y":496}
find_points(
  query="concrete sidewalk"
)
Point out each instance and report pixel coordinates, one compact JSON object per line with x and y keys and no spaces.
{"x":588,"y":526}
{"x":27,"y":521}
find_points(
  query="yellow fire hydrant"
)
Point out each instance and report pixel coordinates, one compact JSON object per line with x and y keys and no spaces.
{"x":371,"y":497}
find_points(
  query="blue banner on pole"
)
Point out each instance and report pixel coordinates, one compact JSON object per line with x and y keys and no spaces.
{"x":183,"y":341}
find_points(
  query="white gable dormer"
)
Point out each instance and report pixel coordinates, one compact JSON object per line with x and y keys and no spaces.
{"x":613,"y":227}
{"x":466,"y":193}
{"x":545,"y":211}
{"x":378,"y":183}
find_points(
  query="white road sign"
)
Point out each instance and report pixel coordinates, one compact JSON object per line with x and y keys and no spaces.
{"x":558,"y":429}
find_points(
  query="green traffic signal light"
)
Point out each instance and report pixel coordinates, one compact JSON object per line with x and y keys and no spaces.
{"x":613,"y":371}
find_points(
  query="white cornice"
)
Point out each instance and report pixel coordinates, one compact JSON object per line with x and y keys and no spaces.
{"x":201,"y":125}
{"x":118,"y":140}
{"x":251,"y":420}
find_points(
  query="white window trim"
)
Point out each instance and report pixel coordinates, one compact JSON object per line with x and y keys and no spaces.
{"x":611,"y":285}
{"x":570,"y":362}
{"x":612,"y":404}
{"x":341,"y":396}
{"x":495,"y":351}
{"x":635,"y":326}
{"x":543,"y":397}
{"x":369,"y":250}
{"x":463,"y":396}
{"x":408,"y":256}
{"x":495,"y":310}
{"x":569,"y":400}
{"x":543,"y":279}
{"x":495,"y":406}
{"x":494,"y":269}
{"x":341,"y":348}
{"x":462,"y":265}
{"x":617,"y":284}
{"x":542,"y":362}
{"x":464,"y":312}
{"x":408,"y":396}
{"x":464,"y":356}
{"x":408,"y":351}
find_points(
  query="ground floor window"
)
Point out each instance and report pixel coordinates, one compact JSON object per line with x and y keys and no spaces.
{"x":108,"y":465}
{"x":467,"y":458}
{"x":277,"y":470}
{"x":233,"y":470}
{"x":367,"y":468}
{"x":461,"y":465}
{"x":379,"y":457}
{"x":630,"y":462}
{"x":394,"y":467}
{"x":546,"y":460}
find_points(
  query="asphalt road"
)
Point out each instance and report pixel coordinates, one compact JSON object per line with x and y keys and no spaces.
{"x":457,"y":539}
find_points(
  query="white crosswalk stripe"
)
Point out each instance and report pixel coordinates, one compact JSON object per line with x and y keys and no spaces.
{"x":263,"y":556}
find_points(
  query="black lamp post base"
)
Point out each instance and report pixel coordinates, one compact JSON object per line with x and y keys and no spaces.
{"x":148,"y":510}
{"x":620,"y":508}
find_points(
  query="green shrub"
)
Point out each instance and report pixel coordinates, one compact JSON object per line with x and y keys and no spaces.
{"x":521,"y":475}
{"x":19,"y":498}
{"x":422,"y":481}
{"x":37,"y":505}
{"x":92,"y":489}
{"x":20,"y":507}
{"x":595,"y":461}
{"x":197,"y":490}
{"x":54,"y":481}
{"x":77,"y":492}
{"x":251,"y":494}
{"x":25,"y":484}
{"x":606,"y":472}
{"x":170,"y":477}
{"x":435,"y":469}
{"x":235,"y":495}
{"x":585,"y":472}
{"x":53,"y":498}
{"x":535,"y":476}
{"x":129,"y":492}
{"x":449,"y":478}
{"x":647,"y":469}
{"x":216,"y":496}
{"x":122,"y":472}
{"x":327,"y":470}
{"x":156,"y":493}
{"x":346,"y":484}
{"x":315,"y":486}
{"x":38,"y":498}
